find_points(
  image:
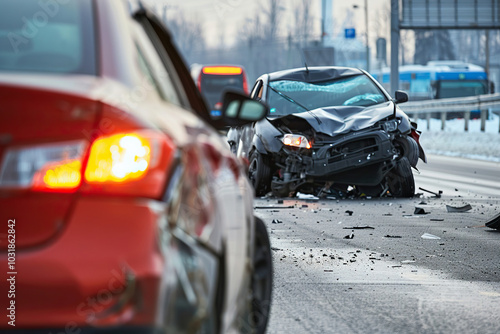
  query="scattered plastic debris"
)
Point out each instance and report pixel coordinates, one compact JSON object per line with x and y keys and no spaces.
{"x":277,"y":221}
{"x":437,"y":195}
{"x":306,"y":196}
{"x":494,"y":223}
{"x":349,"y":212}
{"x":387,"y":214}
{"x":328,"y":271}
{"x":464,"y":208}
{"x":280,"y":201}
{"x":420,"y":211}
{"x":362,"y":227}
{"x":437,"y":220}
{"x":407,"y":261}
{"x":429,"y":236}
{"x":274,"y":207}
{"x":392,"y":236}
{"x":275,"y":249}
{"x":350,"y":236}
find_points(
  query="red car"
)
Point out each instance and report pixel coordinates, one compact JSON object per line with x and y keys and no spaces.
{"x":121,"y":209}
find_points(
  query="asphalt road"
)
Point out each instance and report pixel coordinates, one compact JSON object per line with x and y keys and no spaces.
{"x":390,"y":278}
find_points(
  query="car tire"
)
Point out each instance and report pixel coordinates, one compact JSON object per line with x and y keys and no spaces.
{"x":409,"y":148}
{"x":262,"y":278}
{"x":259,"y":173}
{"x":400,"y":179}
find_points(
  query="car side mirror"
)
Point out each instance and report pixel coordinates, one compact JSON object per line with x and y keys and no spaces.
{"x":239,"y":109}
{"x":400,"y":97}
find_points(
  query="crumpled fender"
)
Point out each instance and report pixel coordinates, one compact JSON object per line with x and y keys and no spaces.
{"x":266,"y":138}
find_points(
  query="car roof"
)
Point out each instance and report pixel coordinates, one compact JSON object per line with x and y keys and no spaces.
{"x":314,"y":74}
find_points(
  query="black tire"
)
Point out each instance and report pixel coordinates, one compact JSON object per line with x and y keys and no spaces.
{"x":262,"y":278}
{"x":400,"y":179}
{"x":409,"y":148}
{"x":259,"y":173}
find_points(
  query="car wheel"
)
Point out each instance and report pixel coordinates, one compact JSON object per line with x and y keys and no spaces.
{"x":262,"y":278}
{"x":409,"y":148}
{"x":400,"y":179}
{"x":259,"y":172}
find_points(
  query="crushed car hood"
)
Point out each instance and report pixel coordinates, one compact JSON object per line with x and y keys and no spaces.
{"x":333,"y":121}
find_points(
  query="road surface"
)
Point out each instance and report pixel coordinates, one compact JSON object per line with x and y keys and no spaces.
{"x":396,"y":276}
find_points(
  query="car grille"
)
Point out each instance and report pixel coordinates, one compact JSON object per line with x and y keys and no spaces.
{"x":353,"y":148}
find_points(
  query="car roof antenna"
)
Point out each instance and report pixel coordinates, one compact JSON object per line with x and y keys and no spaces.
{"x":305,"y":62}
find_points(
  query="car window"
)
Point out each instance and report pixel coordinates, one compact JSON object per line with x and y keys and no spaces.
{"x":288,"y":96}
{"x":153,"y":68}
{"x":36,"y":38}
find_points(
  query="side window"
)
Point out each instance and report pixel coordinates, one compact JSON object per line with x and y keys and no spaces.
{"x":146,"y":71}
{"x":153,"y":68}
{"x":256,"y":93}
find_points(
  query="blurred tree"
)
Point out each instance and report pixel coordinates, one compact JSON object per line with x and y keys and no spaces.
{"x":188,"y":34}
{"x":303,"y":22}
{"x":433,"y":45}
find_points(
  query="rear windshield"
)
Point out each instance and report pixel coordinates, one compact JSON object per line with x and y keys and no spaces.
{"x":217,"y":83}
{"x":47,"y":36}
{"x":212,"y":86}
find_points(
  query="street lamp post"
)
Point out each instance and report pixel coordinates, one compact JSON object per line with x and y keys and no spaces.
{"x":366,"y":35}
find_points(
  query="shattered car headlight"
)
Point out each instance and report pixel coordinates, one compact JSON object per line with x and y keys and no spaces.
{"x":390,"y":126}
{"x":296,"y":141}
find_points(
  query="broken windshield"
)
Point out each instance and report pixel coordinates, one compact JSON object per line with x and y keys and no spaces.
{"x":287,"y":97}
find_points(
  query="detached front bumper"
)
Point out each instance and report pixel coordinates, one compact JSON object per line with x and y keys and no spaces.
{"x":361,"y":159}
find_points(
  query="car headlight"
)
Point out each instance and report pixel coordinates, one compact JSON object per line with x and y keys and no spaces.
{"x":390,"y":126}
{"x":296,"y":141}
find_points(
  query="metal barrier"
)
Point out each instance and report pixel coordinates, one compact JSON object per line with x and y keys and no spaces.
{"x":425,"y":109}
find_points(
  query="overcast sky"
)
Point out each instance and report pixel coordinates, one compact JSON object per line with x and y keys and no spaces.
{"x":223,"y":19}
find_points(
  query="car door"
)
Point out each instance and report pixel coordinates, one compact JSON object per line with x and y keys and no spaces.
{"x":209,"y":198}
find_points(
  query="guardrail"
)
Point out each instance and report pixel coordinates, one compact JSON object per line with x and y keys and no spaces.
{"x":426,"y":109}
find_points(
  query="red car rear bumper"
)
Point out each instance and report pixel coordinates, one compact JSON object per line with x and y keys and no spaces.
{"x":104,"y":269}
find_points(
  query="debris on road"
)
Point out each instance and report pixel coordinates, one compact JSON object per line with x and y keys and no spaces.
{"x":494,"y":223}
{"x":350,"y":236}
{"x":464,"y":208}
{"x":437,"y":220}
{"x":429,"y":236}
{"x":349,"y":212}
{"x":306,"y":196}
{"x":275,"y":249}
{"x":362,"y":227}
{"x":273,"y":207}
{"x":437,"y":195}
{"x":420,"y":211}
{"x":392,"y":236}
{"x":277,"y":221}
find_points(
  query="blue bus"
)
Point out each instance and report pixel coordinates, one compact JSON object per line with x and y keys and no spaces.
{"x":439,"y":80}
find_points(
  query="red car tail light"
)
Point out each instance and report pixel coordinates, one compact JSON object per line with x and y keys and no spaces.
{"x":119,"y":158}
{"x":47,"y":167}
{"x":134,"y":163}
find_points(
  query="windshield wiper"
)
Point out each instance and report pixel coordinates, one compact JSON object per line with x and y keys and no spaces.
{"x":289,"y":99}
